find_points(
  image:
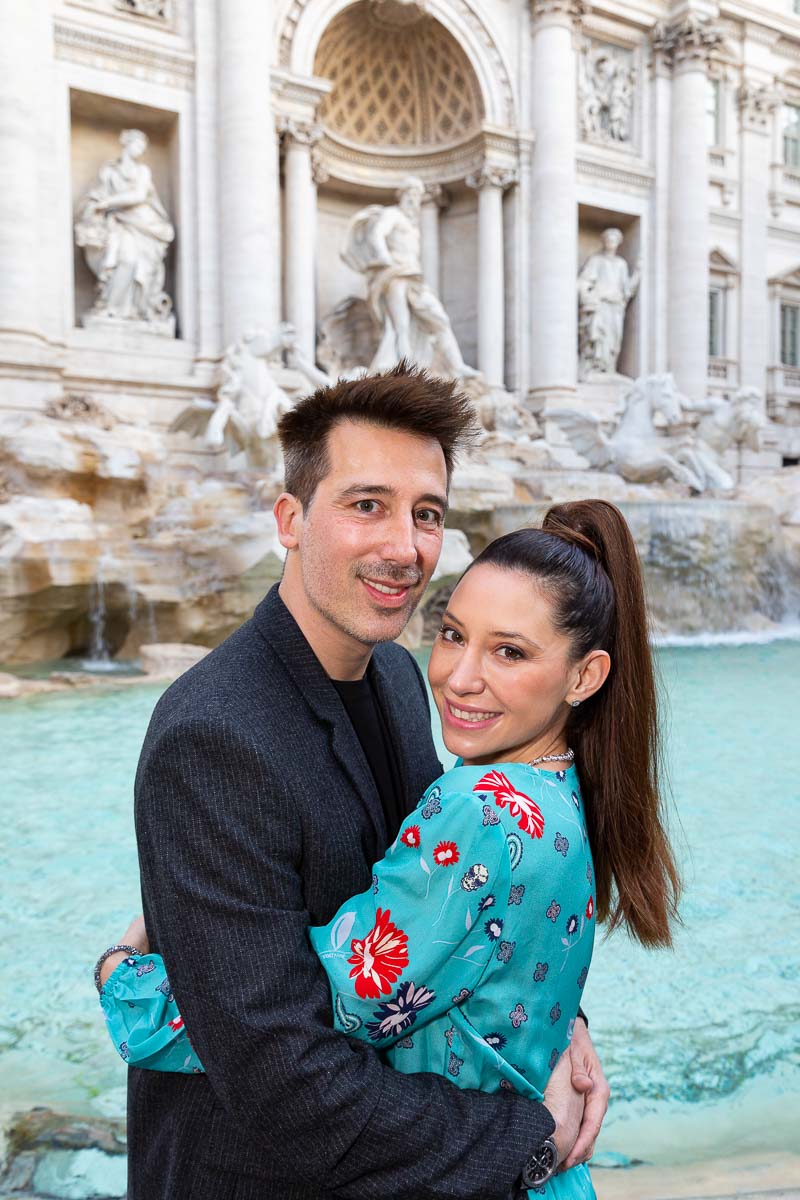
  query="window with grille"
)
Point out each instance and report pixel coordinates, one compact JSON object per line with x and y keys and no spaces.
{"x":791,"y":135}
{"x":790,"y":328}
{"x":716,"y":323}
{"x":714,"y":112}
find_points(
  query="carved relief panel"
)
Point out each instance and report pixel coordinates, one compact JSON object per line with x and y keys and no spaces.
{"x":606,"y":94}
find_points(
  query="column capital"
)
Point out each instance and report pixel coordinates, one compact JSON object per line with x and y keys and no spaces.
{"x":492,"y":175}
{"x":756,"y":105}
{"x":570,"y":11}
{"x":295,"y":129}
{"x":436,"y":194}
{"x":690,"y":41}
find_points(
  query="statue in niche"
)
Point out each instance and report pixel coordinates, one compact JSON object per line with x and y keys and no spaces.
{"x":250,"y":401}
{"x":383,"y":244}
{"x":605,"y":94}
{"x":125,"y":233}
{"x":606,"y":285}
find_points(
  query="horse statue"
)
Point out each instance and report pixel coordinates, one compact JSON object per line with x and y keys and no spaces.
{"x":723,"y":426}
{"x":244,"y":418}
{"x":635,"y":450}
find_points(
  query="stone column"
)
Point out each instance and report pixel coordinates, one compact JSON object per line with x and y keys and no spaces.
{"x":756,"y":108}
{"x":433,"y":201}
{"x":686,"y":46}
{"x":554,"y":211}
{"x":300,"y":230}
{"x":490,"y":183}
{"x":249,"y":196}
{"x":25,"y":70}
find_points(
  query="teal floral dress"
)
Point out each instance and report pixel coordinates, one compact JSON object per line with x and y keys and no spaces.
{"x":466,"y":957}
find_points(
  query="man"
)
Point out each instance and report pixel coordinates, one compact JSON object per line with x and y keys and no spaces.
{"x":383,"y":243}
{"x":274,"y":773}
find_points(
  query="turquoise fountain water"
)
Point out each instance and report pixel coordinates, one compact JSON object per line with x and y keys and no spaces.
{"x":702,"y":1045}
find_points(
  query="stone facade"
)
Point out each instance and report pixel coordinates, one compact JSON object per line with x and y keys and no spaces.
{"x":531,"y":126}
{"x":534,"y":125}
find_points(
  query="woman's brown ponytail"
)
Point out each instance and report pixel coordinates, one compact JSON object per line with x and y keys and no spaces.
{"x":585,"y":558}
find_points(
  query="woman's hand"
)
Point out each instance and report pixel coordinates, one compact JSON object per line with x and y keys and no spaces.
{"x":588,"y":1078}
{"x":565,"y":1103}
{"x":134,"y":935}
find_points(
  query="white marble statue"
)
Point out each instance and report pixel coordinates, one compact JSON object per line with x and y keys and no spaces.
{"x":636,"y":450}
{"x":125,"y":233}
{"x":250,"y":401}
{"x":383,"y":244}
{"x":723,"y":425}
{"x":606,"y":94}
{"x":606,"y":286}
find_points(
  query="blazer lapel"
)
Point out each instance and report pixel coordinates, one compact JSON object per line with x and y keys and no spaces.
{"x":279,"y":628}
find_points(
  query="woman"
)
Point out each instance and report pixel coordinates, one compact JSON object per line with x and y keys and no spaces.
{"x":468,"y":954}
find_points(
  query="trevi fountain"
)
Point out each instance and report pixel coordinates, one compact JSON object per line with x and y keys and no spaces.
{"x":589,"y":219}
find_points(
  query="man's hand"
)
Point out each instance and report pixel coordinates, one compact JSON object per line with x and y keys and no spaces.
{"x":589,"y":1080}
{"x":565,"y":1103}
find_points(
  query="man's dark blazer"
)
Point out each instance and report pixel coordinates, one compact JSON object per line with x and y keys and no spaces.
{"x":256,"y":816}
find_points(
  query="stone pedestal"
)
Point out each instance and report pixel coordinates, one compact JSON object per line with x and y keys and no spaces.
{"x":554,"y":216}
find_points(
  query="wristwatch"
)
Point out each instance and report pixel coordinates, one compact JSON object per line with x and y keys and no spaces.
{"x":539,"y":1167}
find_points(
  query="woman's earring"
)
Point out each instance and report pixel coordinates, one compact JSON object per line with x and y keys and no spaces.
{"x":574,"y":703}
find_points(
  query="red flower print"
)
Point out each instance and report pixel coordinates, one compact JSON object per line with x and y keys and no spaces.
{"x":410,"y":836}
{"x":176,"y":1024}
{"x":379,"y":959}
{"x":590,"y":909}
{"x":445,"y":854}
{"x":518,"y":804}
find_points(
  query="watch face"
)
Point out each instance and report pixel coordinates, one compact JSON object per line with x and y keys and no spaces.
{"x":541,"y":1165}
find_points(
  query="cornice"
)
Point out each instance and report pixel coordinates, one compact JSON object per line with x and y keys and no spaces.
{"x":103,"y":50}
{"x":635,"y":176}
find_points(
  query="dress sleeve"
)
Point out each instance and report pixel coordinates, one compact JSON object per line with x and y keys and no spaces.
{"x":419,"y":940}
{"x":142,"y":1017}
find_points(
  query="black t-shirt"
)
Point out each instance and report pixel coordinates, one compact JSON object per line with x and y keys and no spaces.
{"x":372,"y":730}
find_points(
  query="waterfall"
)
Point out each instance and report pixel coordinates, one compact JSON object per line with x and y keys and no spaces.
{"x":99,"y":655}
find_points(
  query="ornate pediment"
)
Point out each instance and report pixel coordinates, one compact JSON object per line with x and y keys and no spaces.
{"x":788,"y":281}
{"x":720,"y":264}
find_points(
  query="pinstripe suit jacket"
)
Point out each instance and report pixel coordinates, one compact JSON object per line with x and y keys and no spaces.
{"x":256,"y":816}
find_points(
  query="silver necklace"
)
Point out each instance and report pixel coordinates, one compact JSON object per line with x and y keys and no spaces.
{"x":567,"y":758}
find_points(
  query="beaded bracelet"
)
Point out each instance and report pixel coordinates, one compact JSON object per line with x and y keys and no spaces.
{"x":106,"y":953}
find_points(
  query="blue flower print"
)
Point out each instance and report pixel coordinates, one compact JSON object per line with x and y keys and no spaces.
{"x":490,"y":817}
{"x":432,"y":804}
{"x":393,"y":1016}
{"x":144,"y":968}
{"x":561,"y":844}
{"x":406,"y":1043}
{"x":494,"y":928}
{"x":375,"y":884}
{"x":572,"y":925}
{"x":455,"y":1065}
{"x":495,"y":1040}
{"x":165,"y":990}
{"x":449,"y":1034}
{"x":504,"y":1083}
{"x":463,"y":995}
{"x":555,"y":1013}
{"x":486,"y":902}
{"x":553,"y":1060}
{"x":553,"y":911}
{"x":516,"y":894}
{"x":123,"y":1049}
{"x":517,"y":1016}
{"x":540,"y":974}
{"x":575,"y":800}
{"x":505,"y":950}
{"x":561,"y":776}
{"x":582,"y":977}
{"x":589,"y":872}
{"x":476,"y":877}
